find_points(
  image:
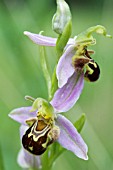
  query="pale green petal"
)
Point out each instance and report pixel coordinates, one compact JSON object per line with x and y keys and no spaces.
{"x":86,"y":36}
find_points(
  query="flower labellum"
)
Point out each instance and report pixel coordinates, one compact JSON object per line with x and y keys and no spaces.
{"x":92,"y":74}
{"x":42,"y":131}
{"x":38,"y":137}
{"x":92,"y":70}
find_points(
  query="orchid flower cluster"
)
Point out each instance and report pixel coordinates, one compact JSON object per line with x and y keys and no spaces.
{"x":43,"y":127}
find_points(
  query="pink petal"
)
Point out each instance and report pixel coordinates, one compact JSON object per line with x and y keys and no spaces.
{"x":40,"y":39}
{"x":22,"y":114}
{"x":27,"y":160}
{"x":44,"y":40}
{"x":70,"y":139}
{"x":64,"y":68}
{"x":65,"y":97}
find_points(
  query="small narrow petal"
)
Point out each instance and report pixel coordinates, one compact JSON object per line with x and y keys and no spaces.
{"x":27,"y":160}
{"x":64,"y":68}
{"x":40,"y":39}
{"x":65,"y":97}
{"x":70,"y":139}
{"x":22,"y":114}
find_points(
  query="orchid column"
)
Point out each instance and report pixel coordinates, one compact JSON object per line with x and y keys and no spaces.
{"x":44,"y":131}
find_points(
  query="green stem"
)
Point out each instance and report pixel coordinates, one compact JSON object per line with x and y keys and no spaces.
{"x":45,"y":160}
{"x":53,"y":159}
{"x":54,"y":85}
{"x":45,"y":69}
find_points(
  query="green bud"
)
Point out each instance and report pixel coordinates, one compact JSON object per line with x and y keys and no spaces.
{"x":61,"y":17}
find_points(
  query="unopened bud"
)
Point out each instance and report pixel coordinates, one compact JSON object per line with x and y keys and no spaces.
{"x":61,"y":17}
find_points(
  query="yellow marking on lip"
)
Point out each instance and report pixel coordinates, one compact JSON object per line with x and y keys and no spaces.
{"x":29,"y":135}
{"x":38,"y":133}
{"x":31,"y":148}
{"x":41,"y":135}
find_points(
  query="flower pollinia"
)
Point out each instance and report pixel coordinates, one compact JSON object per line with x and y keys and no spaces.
{"x":74,"y":65}
{"x":41,"y":125}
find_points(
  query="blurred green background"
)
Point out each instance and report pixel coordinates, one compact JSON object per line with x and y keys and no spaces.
{"x":20,"y":75}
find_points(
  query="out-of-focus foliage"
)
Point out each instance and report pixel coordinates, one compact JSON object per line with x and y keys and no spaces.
{"x":20,"y":75}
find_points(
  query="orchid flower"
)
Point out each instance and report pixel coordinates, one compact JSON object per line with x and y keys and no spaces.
{"x":40,"y":127}
{"x":74,"y":64}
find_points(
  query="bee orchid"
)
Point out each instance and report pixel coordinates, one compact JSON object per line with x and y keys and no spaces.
{"x":74,"y":65}
{"x":40,"y":127}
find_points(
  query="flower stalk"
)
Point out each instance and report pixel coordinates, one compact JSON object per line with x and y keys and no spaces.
{"x":54,"y":85}
{"x":45,"y":70}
